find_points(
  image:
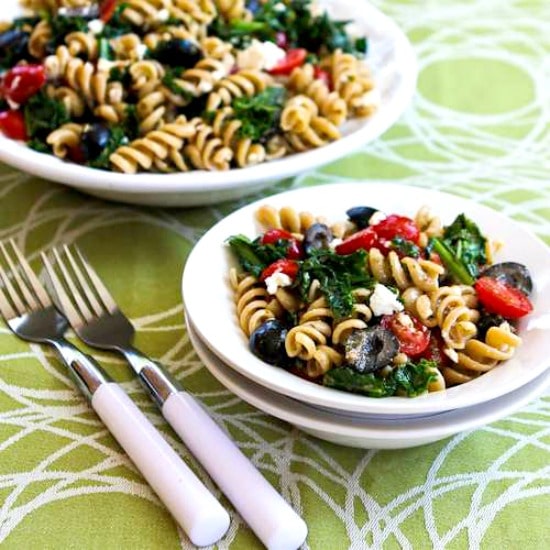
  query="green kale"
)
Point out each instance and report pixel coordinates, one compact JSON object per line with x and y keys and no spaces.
{"x":466,"y":241}
{"x":39,"y":145}
{"x":411,"y":379}
{"x":117,"y":138}
{"x":253,"y":256}
{"x":405,"y":247}
{"x":43,"y":115}
{"x":61,"y":26}
{"x":130,"y":124}
{"x":121,"y":74}
{"x":338,"y":276}
{"x":118,"y":24}
{"x":260,"y":114}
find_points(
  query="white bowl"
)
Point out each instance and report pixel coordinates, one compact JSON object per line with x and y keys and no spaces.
{"x":367,"y":433}
{"x":393,"y":63}
{"x":209,"y":299}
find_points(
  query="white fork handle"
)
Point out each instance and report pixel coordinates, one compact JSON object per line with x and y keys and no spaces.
{"x":272,"y":519}
{"x":197,"y":511}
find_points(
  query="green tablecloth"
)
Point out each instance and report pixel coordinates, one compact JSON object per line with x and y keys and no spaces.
{"x":479,"y":127}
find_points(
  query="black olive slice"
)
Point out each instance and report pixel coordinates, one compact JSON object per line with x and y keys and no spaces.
{"x":512,"y":273}
{"x":317,"y":236}
{"x":360,"y":215}
{"x":371,"y":349}
{"x":268,"y":343}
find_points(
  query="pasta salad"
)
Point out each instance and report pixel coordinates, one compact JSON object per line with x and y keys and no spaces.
{"x":378,"y":304}
{"x":179,"y":85}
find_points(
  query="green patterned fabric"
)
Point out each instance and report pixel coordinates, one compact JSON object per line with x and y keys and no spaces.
{"x":479,"y":127}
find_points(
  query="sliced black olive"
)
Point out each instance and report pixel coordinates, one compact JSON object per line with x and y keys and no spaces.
{"x":268,"y":343}
{"x":317,"y":236}
{"x":360,"y":215}
{"x":177,"y":52}
{"x":486,"y":321}
{"x":94,"y":140}
{"x":512,"y":273}
{"x":13,"y":44}
{"x":371,"y":349}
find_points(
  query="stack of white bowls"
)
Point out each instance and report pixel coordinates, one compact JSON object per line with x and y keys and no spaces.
{"x":352,"y":419}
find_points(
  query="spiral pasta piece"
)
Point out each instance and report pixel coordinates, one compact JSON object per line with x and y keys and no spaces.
{"x":319,"y":132}
{"x":285,"y":218}
{"x":39,"y":38}
{"x":251,"y":300}
{"x":206,"y":151}
{"x":429,"y":224}
{"x":303,"y":340}
{"x":65,"y":138}
{"x":233,"y":9}
{"x":144,"y":13}
{"x":405,"y":272}
{"x":298,"y":113}
{"x":243,"y":83}
{"x":82,"y":44}
{"x":302,"y":80}
{"x":481,"y":356}
{"x":157,"y":144}
{"x":324,"y":358}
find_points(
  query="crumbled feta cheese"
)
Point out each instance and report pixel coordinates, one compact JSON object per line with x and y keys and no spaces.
{"x":162,"y":15}
{"x":405,"y":320}
{"x":383,"y":301}
{"x":141,"y":50}
{"x":451,"y":354}
{"x":115,"y":95}
{"x":205,"y":86}
{"x":260,"y":55}
{"x":96,"y":26}
{"x":334,"y":243}
{"x":105,"y":65}
{"x":315,"y":9}
{"x":12,"y":104}
{"x":276,"y":281}
{"x":377,"y":217}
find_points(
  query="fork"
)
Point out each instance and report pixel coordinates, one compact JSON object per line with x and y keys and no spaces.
{"x":98,"y":321}
{"x":29,"y":312}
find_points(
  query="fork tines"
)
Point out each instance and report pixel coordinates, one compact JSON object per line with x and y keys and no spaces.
{"x":21,"y":291}
{"x":81,"y":293}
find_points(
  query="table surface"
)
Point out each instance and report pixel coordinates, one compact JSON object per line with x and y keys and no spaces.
{"x":479,"y":127}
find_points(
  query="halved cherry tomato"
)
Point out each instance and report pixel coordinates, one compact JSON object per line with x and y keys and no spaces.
{"x":12,"y":125}
{"x":22,"y":82}
{"x":364,"y":239}
{"x":324,"y":76}
{"x":397,"y":226}
{"x":284,"y":265}
{"x":434,"y":351}
{"x":271,"y":236}
{"x":501,"y":298}
{"x":107,"y":9}
{"x":294,"y":58}
{"x":413,"y":336}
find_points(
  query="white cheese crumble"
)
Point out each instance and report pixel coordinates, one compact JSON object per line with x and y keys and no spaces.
{"x":105,"y":65}
{"x":280,"y":7}
{"x":383,"y":301}
{"x":334,"y":243}
{"x":260,"y":55}
{"x":162,"y":15}
{"x":96,"y":26}
{"x":141,"y":50}
{"x":276,"y":281}
{"x":377,"y":217}
{"x":315,"y":9}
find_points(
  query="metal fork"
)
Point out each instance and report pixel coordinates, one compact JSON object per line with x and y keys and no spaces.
{"x":96,"y":318}
{"x":29,"y":312}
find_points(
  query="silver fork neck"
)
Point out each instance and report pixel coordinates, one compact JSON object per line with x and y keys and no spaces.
{"x":86,"y":373}
{"x":152,"y":376}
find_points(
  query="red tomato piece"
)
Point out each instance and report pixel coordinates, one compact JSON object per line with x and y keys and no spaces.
{"x":22,"y":82}
{"x":284,"y":265}
{"x":413,"y":336}
{"x":397,"y":226}
{"x":434,"y":351}
{"x":364,"y":239}
{"x":502,"y":299}
{"x":294,"y":58}
{"x":271,"y":236}
{"x":12,"y":125}
{"x":107,"y":9}
{"x":324,"y":76}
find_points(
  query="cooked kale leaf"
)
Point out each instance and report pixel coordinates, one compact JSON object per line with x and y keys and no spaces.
{"x":338,"y":276}
{"x":253,"y":256}
{"x":411,"y":380}
{"x":260,"y":114}
{"x":43,"y":115}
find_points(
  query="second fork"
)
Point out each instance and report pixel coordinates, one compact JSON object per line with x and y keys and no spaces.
{"x":96,"y":318}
